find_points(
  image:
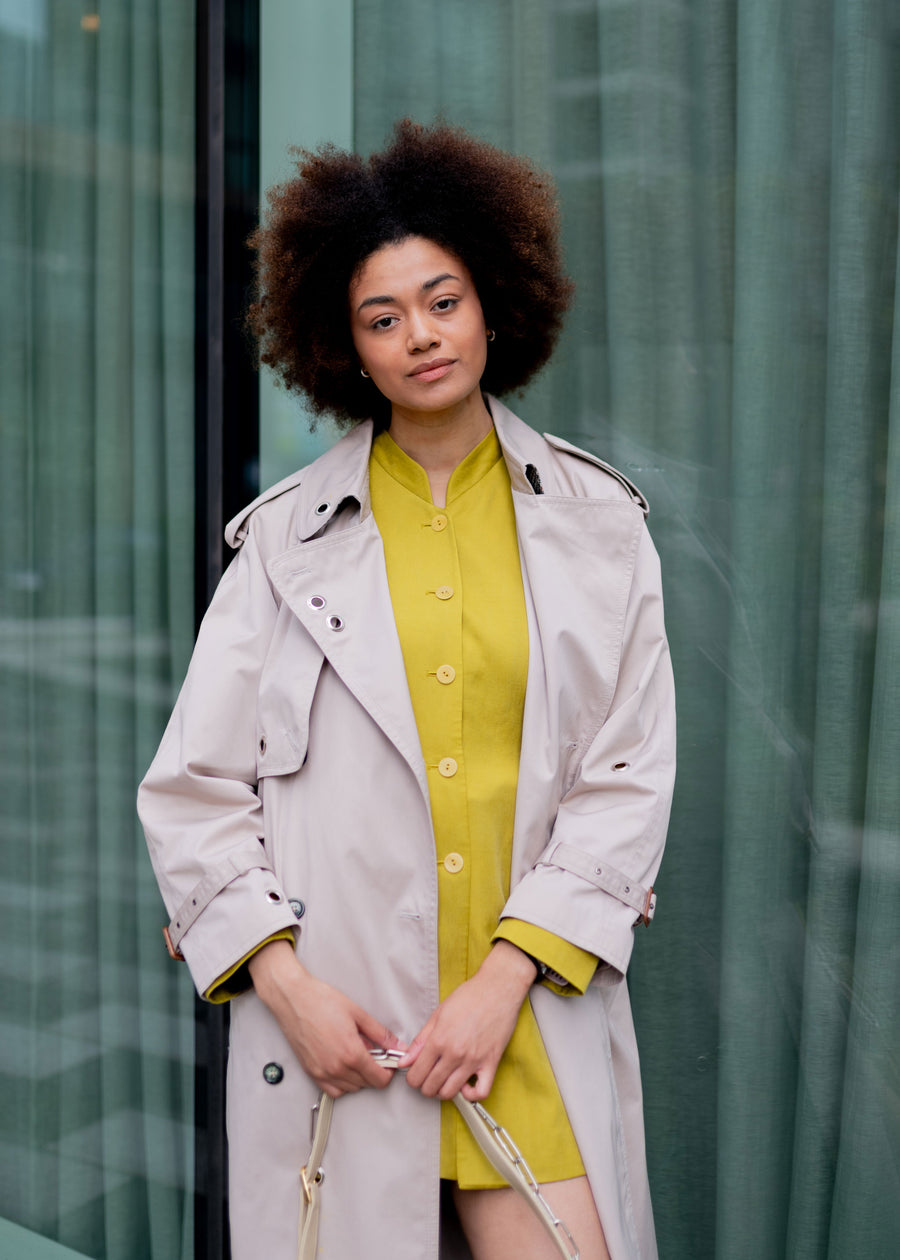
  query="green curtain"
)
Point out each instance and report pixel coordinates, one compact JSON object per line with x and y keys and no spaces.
{"x":729,"y":176}
{"x":96,"y":619}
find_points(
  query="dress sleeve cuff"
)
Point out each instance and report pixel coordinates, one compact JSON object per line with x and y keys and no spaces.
{"x":577,"y":965}
{"x":237,"y":978}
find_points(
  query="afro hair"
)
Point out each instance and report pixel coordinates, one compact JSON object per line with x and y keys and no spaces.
{"x":494,"y":211}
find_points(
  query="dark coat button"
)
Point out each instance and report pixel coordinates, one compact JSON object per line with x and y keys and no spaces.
{"x":297,"y":906}
{"x":273,"y":1073}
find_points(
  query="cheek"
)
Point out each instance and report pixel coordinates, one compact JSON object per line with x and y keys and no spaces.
{"x":481,"y":350}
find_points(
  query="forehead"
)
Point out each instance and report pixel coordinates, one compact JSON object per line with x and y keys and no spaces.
{"x":405,"y":265}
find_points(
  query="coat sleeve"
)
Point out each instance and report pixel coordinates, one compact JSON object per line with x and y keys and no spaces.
{"x":198,"y":802}
{"x":592,"y":883}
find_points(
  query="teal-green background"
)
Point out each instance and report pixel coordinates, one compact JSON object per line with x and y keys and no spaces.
{"x":729,"y":175}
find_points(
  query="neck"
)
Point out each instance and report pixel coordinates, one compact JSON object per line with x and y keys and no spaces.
{"x":440,"y":440}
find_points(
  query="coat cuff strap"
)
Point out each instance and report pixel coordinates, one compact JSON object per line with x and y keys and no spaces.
{"x":605,"y":877}
{"x":221,"y":875}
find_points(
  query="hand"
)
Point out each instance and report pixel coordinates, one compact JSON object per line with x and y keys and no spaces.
{"x":467,"y":1034}
{"x":330,"y":1035}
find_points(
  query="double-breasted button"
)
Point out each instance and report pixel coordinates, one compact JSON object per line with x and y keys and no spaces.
{"x":447,"y":767}
{"x":444,"y":592}
{"x":453,"y":863}
{"x":297,"y":906}
{"x":445,"y":674}
{"x":438,"y":522}
{"x":273,"y":1073}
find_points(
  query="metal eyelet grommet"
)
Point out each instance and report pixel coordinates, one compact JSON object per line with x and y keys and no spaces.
{"x":317,"y":602}
{"x":297,"y":906}
{"x":262,"y":745}
{"x":620,"y":765}
{"x":322,"y":509}
{"x":335,"y":623}
{"x":274,"y":896}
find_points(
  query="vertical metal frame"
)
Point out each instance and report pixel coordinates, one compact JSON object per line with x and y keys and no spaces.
{"x":226,"y":448}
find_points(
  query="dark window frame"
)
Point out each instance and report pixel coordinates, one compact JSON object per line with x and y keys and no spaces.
{"x":226,"y":448}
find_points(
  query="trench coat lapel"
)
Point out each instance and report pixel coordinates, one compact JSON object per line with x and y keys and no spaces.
{"x":344,"y":566}
{"x":578,"y":558}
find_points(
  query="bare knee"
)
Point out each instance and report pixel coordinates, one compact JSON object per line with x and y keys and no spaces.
{"x":499,"y":1225}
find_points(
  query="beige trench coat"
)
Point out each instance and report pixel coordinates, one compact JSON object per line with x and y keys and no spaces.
{"x":291,"y":769}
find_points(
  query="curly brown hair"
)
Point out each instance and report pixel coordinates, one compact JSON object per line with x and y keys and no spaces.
{"x":495,"y":212}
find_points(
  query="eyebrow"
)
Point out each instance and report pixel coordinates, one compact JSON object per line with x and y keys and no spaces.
{"x":385,"y":299}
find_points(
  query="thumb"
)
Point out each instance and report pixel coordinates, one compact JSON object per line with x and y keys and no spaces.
{"x":376,"y":1032}
{"x":418,"y":1042}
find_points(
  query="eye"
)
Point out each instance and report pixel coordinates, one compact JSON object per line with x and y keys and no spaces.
{"x":384,"y":322}
{"x":446,"y":304}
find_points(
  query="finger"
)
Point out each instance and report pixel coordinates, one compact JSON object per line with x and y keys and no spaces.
{"x":478,"y":1090}
{"x":418,"y":1042}
{"x":413,"y":1050}
{"x":332,"y":1090}
{"x":454,"y":1083}
{"x":424,"y":1067}
{"x":375,"y":1077}
{"x":367,"y":1073}
{"x":341,"y":1081}
{"x":437,"y":1079}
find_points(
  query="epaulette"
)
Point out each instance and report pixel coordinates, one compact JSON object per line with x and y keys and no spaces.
{"x":562,"y":445}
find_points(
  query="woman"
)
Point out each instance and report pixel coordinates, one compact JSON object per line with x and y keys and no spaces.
{"x":416,"y":787}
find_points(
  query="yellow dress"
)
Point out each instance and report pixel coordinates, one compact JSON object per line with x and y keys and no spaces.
{"x":456,"y":587}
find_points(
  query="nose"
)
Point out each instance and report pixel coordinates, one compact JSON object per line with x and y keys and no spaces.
{"x":422,"y":333}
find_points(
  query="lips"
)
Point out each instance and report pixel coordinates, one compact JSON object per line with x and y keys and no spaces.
{"x":433,"y":369}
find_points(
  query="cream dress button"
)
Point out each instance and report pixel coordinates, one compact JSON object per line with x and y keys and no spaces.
{"x":453,"y":862}
{"x":444,"y":592}
{"x":438,"y":522}
{"x":447,"y":767}
{"x":446,"y":674}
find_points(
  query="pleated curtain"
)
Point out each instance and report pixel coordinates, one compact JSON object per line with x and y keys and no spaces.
{"x":96,"y":617}
{"x":729,"y":178}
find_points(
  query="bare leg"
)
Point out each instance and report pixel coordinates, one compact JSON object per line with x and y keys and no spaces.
{"x":499,"y":1225}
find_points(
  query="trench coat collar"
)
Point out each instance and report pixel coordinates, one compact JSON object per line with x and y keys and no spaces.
{"x":342,"y":473}
{"x":344,"y":566}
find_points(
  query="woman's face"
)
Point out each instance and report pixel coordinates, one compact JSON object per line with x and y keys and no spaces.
{"x":418,"y":327}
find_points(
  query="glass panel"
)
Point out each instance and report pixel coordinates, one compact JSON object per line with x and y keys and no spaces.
{"x":728,"y":176}
{"x":306,"y":99}
{"x":96,"y":482}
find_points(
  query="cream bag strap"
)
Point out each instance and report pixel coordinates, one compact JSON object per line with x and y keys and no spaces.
{"x":498,"y":1147}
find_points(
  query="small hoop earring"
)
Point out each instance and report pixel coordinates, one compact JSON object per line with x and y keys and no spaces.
{"x":363,"y":372}
{"x":491,"y":334}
